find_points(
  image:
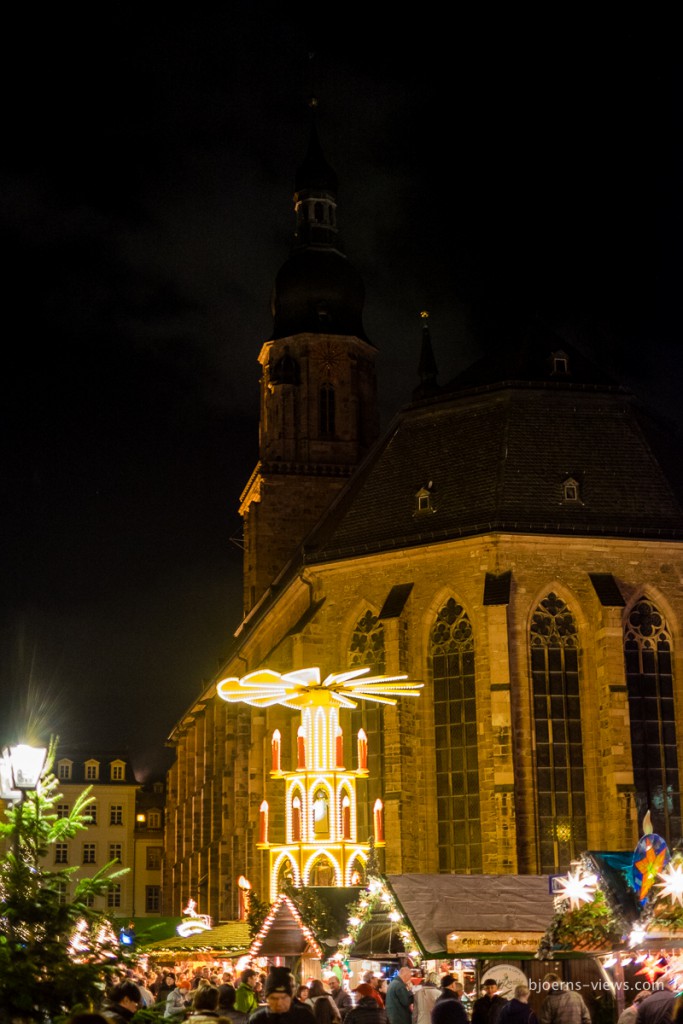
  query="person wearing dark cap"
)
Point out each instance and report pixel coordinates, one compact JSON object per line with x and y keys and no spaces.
{"x":448,"y":1009}
{"x":281,"y":1007}
{"x":487,"y":1008}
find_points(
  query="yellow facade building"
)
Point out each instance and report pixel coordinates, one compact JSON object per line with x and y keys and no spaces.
{"x":514,"y":542}
{"x":126,"y":825}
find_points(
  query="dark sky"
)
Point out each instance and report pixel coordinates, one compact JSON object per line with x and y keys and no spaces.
{"x":488,"y":173}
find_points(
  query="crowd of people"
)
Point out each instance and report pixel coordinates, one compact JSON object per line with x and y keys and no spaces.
{"x":254,"y":998}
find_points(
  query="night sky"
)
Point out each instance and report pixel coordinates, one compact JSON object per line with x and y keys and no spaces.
{"x":489,"y":173}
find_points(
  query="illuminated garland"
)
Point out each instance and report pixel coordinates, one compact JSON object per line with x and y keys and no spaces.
{"x":270,"y":917}
{"x":585,"y":916}
{"x":592,"y":926}
{"x":377,"y":897}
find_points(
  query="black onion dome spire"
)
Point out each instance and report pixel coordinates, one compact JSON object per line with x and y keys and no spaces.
{"x":317,"y":290}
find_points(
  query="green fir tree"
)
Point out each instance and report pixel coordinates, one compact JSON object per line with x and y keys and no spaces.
{"x":42,"y":975}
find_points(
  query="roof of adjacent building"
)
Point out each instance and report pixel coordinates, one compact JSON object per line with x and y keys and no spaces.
{"x":79,"y":758}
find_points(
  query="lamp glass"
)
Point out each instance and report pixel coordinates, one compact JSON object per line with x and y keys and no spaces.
{"x":27,"y":765}
{"x":6,"y":790}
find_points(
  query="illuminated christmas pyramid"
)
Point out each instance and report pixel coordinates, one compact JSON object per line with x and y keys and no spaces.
{"x":321,"y":846}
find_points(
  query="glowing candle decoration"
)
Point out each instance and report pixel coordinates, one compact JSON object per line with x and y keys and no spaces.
{"x":263,"y":822}
{"x":339,"y":748}
{"x":301,"y":748}
{"x":346,"y":817}
{"x":378,"y":818}
{"x":362,"y":751}
{"x":296,"y":820}
{"x":275,"y":747}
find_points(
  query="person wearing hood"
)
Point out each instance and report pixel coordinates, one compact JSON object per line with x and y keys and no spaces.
{"x":178,"y":1000}
{"x":367,"y":1009}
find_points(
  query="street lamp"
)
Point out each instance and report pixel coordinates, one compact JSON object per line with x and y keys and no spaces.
{"x":20,"y":769}
{"x":26,"y":766}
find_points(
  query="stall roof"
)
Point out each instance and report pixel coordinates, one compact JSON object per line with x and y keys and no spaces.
{"x":479,"y":905}
{"x":230,"y":939}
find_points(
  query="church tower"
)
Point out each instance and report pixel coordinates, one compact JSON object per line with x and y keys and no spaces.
{"x":318,"y":409}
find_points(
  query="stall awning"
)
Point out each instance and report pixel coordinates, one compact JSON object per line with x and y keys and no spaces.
{"x":489,"y":914}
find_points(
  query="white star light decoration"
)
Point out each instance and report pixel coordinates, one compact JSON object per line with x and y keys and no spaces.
{"x":672,"y":883}
{"x":303,"y":688}
{"x":578,"y":888}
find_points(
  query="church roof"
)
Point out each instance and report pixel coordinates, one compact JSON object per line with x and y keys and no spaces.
{"x":537,"y":441}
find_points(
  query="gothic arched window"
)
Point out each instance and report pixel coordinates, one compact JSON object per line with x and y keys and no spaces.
{"x":647,"y":650}
{"x":367,"y":644}
{"x":455,"y":735}
{"x":366,"y":650}
{"x":327,"y":410}
{"x":560,"y":787}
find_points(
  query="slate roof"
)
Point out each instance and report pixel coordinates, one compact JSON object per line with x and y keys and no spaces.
{"x":436,"y":905}
{"x":79,"y":756}
{"x":494,"y":456}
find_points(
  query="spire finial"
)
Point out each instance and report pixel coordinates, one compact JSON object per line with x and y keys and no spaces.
{"x":312,"y":81}
{"x":427,"y":368}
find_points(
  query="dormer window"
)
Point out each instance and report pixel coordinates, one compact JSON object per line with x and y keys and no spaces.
{"x":571,"y":491}
{"x":64,"y":770}
{"x":118,"y":771}
{"x":92,"y":771}
{"x":560,"y":364}
{"x":424,"y":500}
